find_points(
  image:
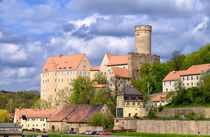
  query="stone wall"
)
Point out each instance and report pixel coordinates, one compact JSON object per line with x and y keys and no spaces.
{"x":135,"y":60}
{"x":91,"y":128}
{"x":124,"y":123}
{"x":170,"y":112}
{"x":174,"y":126}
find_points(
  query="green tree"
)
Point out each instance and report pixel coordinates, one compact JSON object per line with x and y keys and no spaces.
{"x":100,"y":79}
{"x":83,"y":91}
{"x":40,"y":103}
{"x":101,"y":119}
{"x":176,"y":62}
{"x":151,"y":76}
{"x":4,"y":116}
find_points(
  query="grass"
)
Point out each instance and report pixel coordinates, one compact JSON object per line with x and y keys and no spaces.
{"x":154,"y":135}
{"x":134,"y":134}
{"x":187,"y":105}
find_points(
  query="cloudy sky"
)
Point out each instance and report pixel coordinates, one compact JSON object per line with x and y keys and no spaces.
{"x":32,"y":30}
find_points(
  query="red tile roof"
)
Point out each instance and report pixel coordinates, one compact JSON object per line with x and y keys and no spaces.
{"x":62,"y":63}
{"x":94,"y":69}
{"x":110,"y":55}
{"x":197,"y":69}
{"x":76,"y":113}
{"x":118,"y":60}
{"x":121,"y":72}
{"x":159,"y":98}
{"x":33,"y":113}
{"x":174,"y":75}
{"x":193,"y":70}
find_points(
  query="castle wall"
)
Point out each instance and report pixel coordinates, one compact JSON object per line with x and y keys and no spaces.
{"x":135,"y":60}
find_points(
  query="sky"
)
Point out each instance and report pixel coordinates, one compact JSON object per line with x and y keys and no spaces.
{"x":33,"y":30}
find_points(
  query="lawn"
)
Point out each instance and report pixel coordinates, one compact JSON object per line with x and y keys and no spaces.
{"x":154,"y":135}
{"x":133,"y":134}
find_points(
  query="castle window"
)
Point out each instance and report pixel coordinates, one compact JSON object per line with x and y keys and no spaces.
{"x":170,"y":82}
{"x":55,"y":89}
{"x":166,"y":89}
{"x":55,"y":80}
{"x":128,"y":103}
{"x":133,"y":103}
{"x":192,"y":84}
{"x":183,"y":78}
{"x":191,"y":77}
{"x":187,"y":78}
{"x":187,"y":84}
{"x":62,"y":80}
{"x":197,"y":77}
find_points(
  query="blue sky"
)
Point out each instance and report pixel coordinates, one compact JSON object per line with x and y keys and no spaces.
{"x":33,"y":30}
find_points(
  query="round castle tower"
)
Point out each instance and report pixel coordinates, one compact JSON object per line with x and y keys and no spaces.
{"x":143,"y":39}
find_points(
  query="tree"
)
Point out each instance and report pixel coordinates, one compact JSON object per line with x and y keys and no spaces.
{"x":4,"y":116}
{"x":100,"y":79}
{"x":176,"y":62}
{"x":83,"y":91}
{"x":101,"y":119}
{"x":40,"y":103}
{"x":63,"y":97}
{"x":151,"y":76}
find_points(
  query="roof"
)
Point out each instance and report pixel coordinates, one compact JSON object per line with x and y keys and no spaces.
{"x":174,"y":75}
{"x":94,"y":69}
{"x":62,"y":63}
{"x":110,"y":55}
{"x":76,"y":113}
{"x":193,"y":70}
{"x":9,"y":125}
{"x":10,"y":132}
{"x":118,"y":60}
{"x":130,"y":91}
{"x":100,"y":85}
{"x":159,"y":98}
{"x":197,"y":69}
{"x":33,"y":113}
{"x":121,"y":72}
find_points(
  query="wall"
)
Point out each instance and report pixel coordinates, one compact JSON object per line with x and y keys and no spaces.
{"x":91,"y":128}
{"x":174,"y":126}
{"x":170,"y":112}
{"x":135,"y":60}
{"x":124,"y":123}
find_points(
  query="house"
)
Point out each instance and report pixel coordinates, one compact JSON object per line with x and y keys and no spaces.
{"x":74,"y":116}
{"x":189,"y":77}
{"x":33,"y":119}
{"x":130,"y":103}
{"x":159,"y":100}
{"x":61,"y":70}
{"x":10,"y":129}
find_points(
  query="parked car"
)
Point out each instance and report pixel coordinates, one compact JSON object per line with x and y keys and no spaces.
{"x":87,"y":132}
{"x":98,"y":132}
{"x":70,"y":132}
{"x":105,"y":133}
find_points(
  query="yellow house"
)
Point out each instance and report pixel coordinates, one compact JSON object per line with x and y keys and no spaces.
{"x":61,"y":70}
{"x":130,"y":103}
{"x":33,"y":119}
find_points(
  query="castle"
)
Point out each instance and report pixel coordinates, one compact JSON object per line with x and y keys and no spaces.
{"x":61,"y":70}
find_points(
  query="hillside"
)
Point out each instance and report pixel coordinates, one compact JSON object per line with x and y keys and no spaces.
{"x":11,"y":100}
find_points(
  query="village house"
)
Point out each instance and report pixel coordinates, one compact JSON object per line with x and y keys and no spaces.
{"x":189,"y":77}
{"x":10,"y":130}
{"x":73,"y":117}
{"x":33,"y":119}
{"x":130,"y":103}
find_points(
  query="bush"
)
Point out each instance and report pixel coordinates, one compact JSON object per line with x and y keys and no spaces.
{"x":102,"y":119}
{"x":152,"y":114}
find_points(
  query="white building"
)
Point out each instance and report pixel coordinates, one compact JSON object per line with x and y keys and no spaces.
{"x":189,"y":77}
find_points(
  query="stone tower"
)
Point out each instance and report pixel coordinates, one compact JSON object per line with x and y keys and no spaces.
{"x":143,"y":39}
{"x":142,"y":52}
